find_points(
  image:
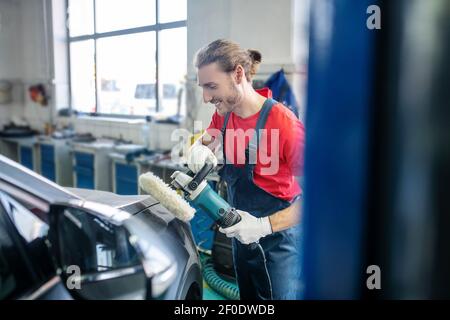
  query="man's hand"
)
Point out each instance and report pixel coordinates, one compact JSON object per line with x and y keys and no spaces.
{"x":198,"y":155}
{"x":249,"y":229}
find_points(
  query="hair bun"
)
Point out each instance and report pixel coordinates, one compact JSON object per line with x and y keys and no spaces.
{"x":255,"y":55}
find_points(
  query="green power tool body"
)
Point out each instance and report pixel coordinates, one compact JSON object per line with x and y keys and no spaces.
{"x":199,"y":192}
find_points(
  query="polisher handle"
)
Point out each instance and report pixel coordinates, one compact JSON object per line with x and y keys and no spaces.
{"x":200,"y":176}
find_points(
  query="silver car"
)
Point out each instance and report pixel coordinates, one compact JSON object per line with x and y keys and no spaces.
{"x":67,"y":243}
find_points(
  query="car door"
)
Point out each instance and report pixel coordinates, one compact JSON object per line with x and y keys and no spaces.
{"x":26,"y":268}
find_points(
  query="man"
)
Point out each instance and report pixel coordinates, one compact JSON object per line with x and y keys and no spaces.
{"x":265,"y":193}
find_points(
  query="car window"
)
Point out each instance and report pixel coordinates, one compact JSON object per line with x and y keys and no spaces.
{"x":30,"y":237}
{"x":15,"y":278}
{"x":99,"y":246}
{"x":41,"y":215}
{"x":29,"y":226}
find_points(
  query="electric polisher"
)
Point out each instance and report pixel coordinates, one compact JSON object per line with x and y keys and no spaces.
{"x":196,"y":190}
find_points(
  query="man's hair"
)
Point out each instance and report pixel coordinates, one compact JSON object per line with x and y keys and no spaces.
{"x":228,"y":55}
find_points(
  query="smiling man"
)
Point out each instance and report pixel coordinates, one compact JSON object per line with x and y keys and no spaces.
{"x":266,"y":240}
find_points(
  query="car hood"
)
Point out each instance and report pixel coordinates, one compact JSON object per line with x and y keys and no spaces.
{"x":26,"y":179}
{"x":131,"y":204}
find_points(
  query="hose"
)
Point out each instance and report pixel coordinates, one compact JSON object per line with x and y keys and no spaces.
{"x":227,"y":289}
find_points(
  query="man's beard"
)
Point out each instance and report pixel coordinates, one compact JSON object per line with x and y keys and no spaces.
{"x":233,"y":99}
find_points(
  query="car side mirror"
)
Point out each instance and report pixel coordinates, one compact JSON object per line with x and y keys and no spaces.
{"x":101,"y":254}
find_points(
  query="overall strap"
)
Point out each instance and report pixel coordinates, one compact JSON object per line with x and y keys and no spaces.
{"x":254,"y":141}
{"x":224,"y":128}
{"x":252,"y":148}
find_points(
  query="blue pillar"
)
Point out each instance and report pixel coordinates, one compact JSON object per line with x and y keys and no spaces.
{"x":340,"y":90}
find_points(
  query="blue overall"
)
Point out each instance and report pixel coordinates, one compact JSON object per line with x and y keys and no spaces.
{"x":270,"y":268}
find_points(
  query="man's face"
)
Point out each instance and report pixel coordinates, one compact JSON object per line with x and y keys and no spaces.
{"x":219,"y":88}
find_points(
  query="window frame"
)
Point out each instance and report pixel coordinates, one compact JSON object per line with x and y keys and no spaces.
{"x":157,"y":28}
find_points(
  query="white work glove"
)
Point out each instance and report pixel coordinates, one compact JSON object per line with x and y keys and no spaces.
{"x":198,"y":155}
{"x":250,"y":229}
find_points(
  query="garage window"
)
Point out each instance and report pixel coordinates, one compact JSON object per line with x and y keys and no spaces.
{"x":127,"y":58}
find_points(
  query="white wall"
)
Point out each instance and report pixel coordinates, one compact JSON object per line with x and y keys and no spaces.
{"x":36,"y":63}
{"x":24,"y":58}
{"x":10,"y":56}
{"x":265,"y":25}
{"x":301,"y":51}
{"x":10,"y":43}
